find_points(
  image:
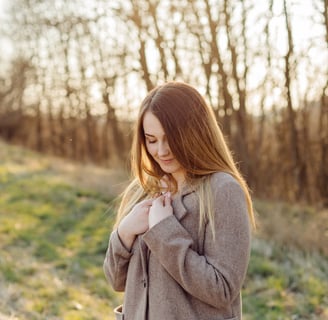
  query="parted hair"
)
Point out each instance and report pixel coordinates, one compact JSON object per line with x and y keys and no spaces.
{"x":195,"y":140}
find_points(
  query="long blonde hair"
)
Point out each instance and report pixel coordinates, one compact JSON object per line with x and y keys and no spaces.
{"x":194,"y":138}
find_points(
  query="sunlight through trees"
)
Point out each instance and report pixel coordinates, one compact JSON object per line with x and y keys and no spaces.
{"x":75,"y":73}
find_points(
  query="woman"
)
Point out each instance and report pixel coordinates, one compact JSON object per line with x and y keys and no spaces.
{"x":181,"y":244}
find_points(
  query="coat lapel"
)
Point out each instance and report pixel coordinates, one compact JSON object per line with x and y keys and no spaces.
{"x":179,"y":208}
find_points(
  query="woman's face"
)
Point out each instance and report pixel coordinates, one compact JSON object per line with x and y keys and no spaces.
{"x":158,"y":147}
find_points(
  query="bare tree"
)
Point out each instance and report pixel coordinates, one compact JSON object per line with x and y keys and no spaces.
{"x":83,"y":72}
{"x":297,"y":166}
{"x":323,"y":121}
{"x":241,"y":140}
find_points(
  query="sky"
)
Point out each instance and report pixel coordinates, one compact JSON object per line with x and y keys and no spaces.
{"x":305,"y":9}
{"x":301,"y":23}
{"x":5,"y":47}
{"x":2,"y":6}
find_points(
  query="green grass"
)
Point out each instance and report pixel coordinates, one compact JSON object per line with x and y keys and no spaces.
{"x":284,"y":283}
{"x":53,"y":237}
{"x":55,"y":219}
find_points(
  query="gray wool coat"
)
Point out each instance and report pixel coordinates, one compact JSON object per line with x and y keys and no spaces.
{"x":175,"y":272}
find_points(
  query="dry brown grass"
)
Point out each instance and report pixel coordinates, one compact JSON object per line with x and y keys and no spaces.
{"x":299,"y":226}
{"x":109,"y":182}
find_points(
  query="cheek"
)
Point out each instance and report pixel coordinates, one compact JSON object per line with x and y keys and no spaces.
{"x":151,"y":148}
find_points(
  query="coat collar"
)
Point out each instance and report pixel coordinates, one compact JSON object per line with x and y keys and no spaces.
{"x":186,"y":189}
{"x":179,"y":208}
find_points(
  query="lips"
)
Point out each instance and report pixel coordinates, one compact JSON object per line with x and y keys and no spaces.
{"x":168,"y":161}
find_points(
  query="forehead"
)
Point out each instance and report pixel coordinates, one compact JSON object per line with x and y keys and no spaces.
{"x":152,"y":125}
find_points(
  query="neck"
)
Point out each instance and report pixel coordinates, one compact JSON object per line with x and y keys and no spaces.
{"x":180,"y":179}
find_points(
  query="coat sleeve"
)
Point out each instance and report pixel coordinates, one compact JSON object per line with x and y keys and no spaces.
{"x":216,"y":277}
{"x":116,"y":262}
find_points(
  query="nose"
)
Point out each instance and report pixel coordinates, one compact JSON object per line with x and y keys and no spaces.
{"x":163,"y":149}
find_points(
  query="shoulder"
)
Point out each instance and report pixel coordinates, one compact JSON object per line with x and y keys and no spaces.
{"x":220,"y":179}
{"x":229,"y":199}
{"x":225,"y":185}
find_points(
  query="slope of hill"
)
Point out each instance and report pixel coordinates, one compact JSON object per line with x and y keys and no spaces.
{"x":55,"y":218}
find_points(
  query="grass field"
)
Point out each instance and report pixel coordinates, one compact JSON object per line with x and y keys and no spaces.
{"x":55,"y":218}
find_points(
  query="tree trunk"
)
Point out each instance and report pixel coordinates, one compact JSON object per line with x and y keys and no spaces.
{"x":297,"y":165}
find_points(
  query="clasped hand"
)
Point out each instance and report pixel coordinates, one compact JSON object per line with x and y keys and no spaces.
{"x":160,"y":209}
{"x":144,"y":216}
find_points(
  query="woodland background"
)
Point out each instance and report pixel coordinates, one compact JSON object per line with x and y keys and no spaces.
{"x":78,"y":70}
{"x":72,"y":76}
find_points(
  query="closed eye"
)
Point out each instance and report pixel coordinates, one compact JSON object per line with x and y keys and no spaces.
{"x":149,"y":140}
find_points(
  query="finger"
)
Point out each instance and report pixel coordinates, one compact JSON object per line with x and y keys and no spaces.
{"x":148,"y":202}
{"x":159,"y":200}
{"x":167,"y":199}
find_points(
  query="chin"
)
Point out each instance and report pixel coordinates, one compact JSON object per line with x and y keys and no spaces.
{"x":166,"y":169}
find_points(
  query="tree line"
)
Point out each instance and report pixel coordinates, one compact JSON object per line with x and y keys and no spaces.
{"x":78,"y":70}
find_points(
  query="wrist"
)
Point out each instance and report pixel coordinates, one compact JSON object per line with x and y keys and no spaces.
{"x":126,"y":237}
